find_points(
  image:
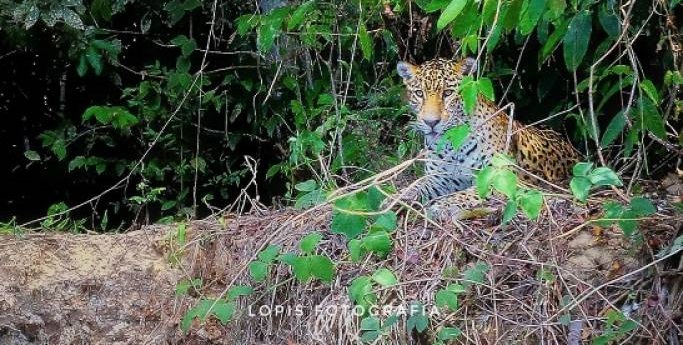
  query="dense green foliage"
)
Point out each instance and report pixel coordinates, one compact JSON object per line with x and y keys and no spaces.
{"x":183,"y":90}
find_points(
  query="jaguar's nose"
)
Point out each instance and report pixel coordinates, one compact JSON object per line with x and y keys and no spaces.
{"x":431,"y":123}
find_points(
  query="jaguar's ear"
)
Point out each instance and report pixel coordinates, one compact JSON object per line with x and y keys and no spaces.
{"x":469,"y":66}
{"x":405,"y":69}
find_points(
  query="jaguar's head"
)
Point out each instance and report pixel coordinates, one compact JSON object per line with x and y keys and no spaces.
{"x":432,"y":90}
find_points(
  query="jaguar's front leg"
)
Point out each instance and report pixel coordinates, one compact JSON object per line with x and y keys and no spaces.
{"x":464,"y":204}
{"x":424,"y":190}
{"x":411,"y":195}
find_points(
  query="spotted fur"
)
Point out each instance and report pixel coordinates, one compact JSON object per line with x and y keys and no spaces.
{"x":432,"y":92}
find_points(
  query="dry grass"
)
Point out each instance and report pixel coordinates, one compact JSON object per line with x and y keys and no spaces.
{"x":591,"y":270}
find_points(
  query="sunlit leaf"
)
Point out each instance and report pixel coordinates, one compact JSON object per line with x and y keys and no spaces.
{"x":450,"y":13}
{"x":468,"y":90}
{"x":530,"y":202}
{"x":309,"y":242}
{"x":384,"y":277}
{"x":365,"y":42}
{"x":580,"y":187}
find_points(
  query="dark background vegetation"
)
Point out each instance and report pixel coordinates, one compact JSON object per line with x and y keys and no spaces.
{"x":306,"y":89}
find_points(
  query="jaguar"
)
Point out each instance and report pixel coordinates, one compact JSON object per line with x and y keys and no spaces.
{"x":432,"y":91}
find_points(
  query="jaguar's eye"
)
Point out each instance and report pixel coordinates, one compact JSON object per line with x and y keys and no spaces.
{"x":419,"y":93}
{"x":447,"y":93}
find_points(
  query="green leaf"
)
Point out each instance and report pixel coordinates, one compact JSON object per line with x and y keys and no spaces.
{"x":494,"y":36}
{"x":604,"y":176}
{"x":359,"y":287}
{"x":576,"y":39}
{"x":365,"y":42}
{"x":258,"y":270}
{"x":582,"y":168}
{"x":505,"y":181}
{"x":509,"y":211}
{"x":488,"y":11}
{"x":386,"y":221}
{"x":222,"y":310}
{"x":456,"y":288}
{"x":470,"y":43}
{"x":468,"y":90}
{"x":483,"y":181}
{"x":309,"y":242}
{"x":455,"y":136}
{"x":82,"y":67}
{"x":351,"y":225}
{"x":642,"y":207}
{"x":321,"y":267}
{"x":165,"y":206}
{"x":650,"y":90}
{"x":361,"y":291}
{"x":580,"y":187}
{"x":239,"y":290}
{"x":246,"y":22}
{"x":344,"y":221}
{"x":378,"y":242}
{"x":502,"y":160}
{"x":72,"y":19}
{"x":555,"y":9}
{"x":101,"y":9}
{"x":545,"y":275}
{"x":301,"y":268}
{"x":384,"y":277}
{"x":181,"y":234}
{"x":94,"y":59}
{"x":446,"y":298}
{"x":266,"y":36}
{"x":370,"y":336}
{"x":118,"y":117}
{"x":370,"y":323}
{"x":269,"y":254}
{"x":183,"y":65}
{"x":628,"y":225}
{"x":310,"y":199}
{"x":614,"y":128}
{"x":112,"y":47}
{"x":287,"y":258}
{"x":187,"y":45}
{"x":448,"y":333}
{"x":356,"y":250}
{"x":450,"y":13}
{"x":553,"y":41}
{"x":485,"y":88}
{"x":530,"y":15}
{"x":434,"y":5}
{"x":32,"y":155}
{"x":650,"y":118}
{"x":183,"y":286}
{"x":299,"y":15}
{"x":418,"y":322}
{"x":475,"y":274}
{"x":325,"y":99}
{"x":530,"y":202}
{"x":514,"y":10}
{"x":608,"y":21}
{"x":77,"y":162}
{"x":374,"y":198}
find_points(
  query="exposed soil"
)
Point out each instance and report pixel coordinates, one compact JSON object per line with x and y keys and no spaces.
{"x":84,"y":289}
